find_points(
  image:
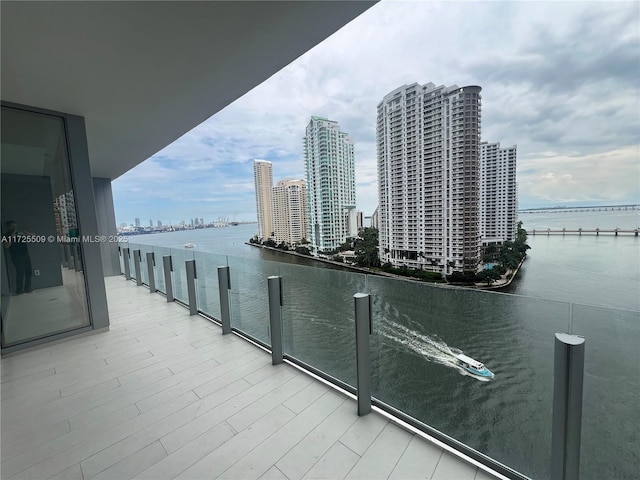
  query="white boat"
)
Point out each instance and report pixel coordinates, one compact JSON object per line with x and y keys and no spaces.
{"x":474,"y":366}
{"x":189,"y":245}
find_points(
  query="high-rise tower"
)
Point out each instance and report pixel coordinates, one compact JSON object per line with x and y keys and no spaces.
{"x":428,"y":142}
{"x":330,"y":170}
{"x":263,"y":177}
{"x":498,"y":193}
{"x":290,"y":211}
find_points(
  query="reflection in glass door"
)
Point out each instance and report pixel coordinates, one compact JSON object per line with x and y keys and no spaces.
{"x":42,"y":279}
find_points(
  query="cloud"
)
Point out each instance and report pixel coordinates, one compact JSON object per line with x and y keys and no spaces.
{"x":554,"y":178}
{"x":561,"y":59}
{"x":559,"y":79}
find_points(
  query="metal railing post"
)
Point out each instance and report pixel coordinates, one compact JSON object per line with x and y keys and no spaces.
{"x":151,"y":262}
{"x":224,"y":285}
{"x":136,"y":266}
{"x":69,"y":257}
{"x":275,"y":318}
{"x":567,"y":406}
{"x":65,"y":262}
{"x":362,"y":302}
{"x":190,"y":266}
{"x":127,"y":267}
{"x":77,"y":259}
{"x":167,"y":265}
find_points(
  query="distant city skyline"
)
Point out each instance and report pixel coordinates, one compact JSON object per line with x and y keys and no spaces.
{"x":576,"y":131}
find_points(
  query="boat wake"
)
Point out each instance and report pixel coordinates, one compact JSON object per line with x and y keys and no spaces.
{"x":430,"y":348}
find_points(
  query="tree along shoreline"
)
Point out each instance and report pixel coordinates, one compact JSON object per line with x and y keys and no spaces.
{"x":509,"y":278}
{"x":381,"y":273}
{"x":503,"y":260}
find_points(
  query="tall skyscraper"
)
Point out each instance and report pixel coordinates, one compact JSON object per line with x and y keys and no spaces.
{"x":498,"y":193}
{"x":290,"y":211}
{"x":330,"y":169}
{"x":137,"y":222}
{"x":428,"y":142}
{"x":263,"y":177}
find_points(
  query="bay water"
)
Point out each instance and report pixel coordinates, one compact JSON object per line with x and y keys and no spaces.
{"x":585,"y":285}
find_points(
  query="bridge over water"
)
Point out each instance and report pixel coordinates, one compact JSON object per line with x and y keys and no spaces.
{"x":583,"y":231}
{"x":601,"y":208}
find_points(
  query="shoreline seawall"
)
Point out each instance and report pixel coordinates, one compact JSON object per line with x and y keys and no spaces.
{"x":390,"y":275}
{"x":507,"y":283}
{"x":323,"y":260}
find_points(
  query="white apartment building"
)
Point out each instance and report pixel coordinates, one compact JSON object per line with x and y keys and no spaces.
{"x":330,"y":170}
{"x":375,"y":219}
{"x":263,"y":177}
{"x":428,"y":177}
{"x":359,"y":220}
{"x":290,"y":211}
{"x":498,"y":193}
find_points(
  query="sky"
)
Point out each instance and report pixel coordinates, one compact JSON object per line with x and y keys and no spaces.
{"x":561,"y":80}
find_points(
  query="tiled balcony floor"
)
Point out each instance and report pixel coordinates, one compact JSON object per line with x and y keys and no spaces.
{"x":163,"y":395}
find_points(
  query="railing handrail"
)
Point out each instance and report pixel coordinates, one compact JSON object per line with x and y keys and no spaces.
{"x":364,"y":405}
{"x":413,"y":281}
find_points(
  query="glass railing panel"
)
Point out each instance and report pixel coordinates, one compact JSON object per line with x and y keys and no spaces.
{"x":144,"y":272}
{"x":318,"y":318}
{"x":180,"y":256}
{"x":121,"y":246}
{"x":132,"y":266}
{"x":418,"y":332}
{"x":207,"y":282}
{"x":610,"y":407}
{"x":160,"y":253}
{"x":249,"y":295}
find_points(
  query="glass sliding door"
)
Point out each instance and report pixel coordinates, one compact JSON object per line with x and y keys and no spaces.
{"x":42,"y":274}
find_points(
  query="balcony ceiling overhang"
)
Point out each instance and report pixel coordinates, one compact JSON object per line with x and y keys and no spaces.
{"x":144,"y":73}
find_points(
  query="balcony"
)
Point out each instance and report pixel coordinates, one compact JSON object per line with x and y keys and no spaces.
{"x":163,"y":394}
